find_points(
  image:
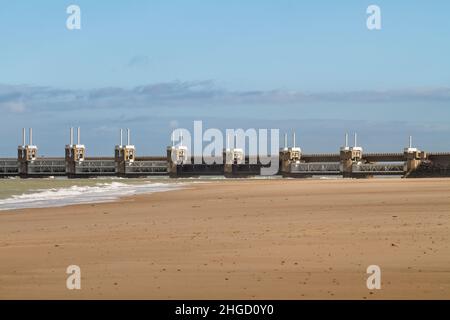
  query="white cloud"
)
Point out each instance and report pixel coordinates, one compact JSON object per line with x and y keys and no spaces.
{"x":196,"y":94}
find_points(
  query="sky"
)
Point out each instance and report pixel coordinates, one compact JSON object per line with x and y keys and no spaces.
{"x":307,"y":66}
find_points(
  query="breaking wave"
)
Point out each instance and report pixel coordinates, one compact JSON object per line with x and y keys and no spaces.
{"x":100,"y":192}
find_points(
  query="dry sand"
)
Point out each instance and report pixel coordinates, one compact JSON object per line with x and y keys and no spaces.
{"x":248,"y":239}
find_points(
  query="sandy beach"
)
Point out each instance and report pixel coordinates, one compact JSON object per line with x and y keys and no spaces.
{"x":237,"y":239}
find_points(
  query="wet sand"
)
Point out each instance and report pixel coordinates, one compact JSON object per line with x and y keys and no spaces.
{"x":247,"y":239}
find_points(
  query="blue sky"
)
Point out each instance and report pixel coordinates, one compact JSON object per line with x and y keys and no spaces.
{"x":312,"y":66}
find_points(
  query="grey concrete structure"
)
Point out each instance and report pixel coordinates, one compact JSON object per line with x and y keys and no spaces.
{"x":350,"y":162}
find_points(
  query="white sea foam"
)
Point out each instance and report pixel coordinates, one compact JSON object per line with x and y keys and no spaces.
{"x":100,"y":192}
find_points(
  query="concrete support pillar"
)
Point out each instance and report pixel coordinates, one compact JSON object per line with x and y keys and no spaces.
{"x":412,"y":164}
{"x":346,"y":162}
{"x":288,"y":156}
{"x":349,"y":157}
{"x":285,"y":162}
{"x":22,"y":161}
{"x":119,"y":159}
{"x":413,"y":159}
{"x":176,"y":156}
{"x":74,"y":154}
{"x":26,"y":153}
{"x":171,"y":163}
{"x":228,"y":161}
{"x":232,"y":158}
{"x":124,"y":155}
{"x":69,"y":159}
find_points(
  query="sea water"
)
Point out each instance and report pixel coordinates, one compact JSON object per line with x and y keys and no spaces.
{"x":36,"y":193}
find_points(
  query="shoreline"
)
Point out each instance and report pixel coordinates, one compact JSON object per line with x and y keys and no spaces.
{"x":86,"y":192}
{"x":186,"y":184}
{"x":181,"y":181}
{"x":237,"y":239}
